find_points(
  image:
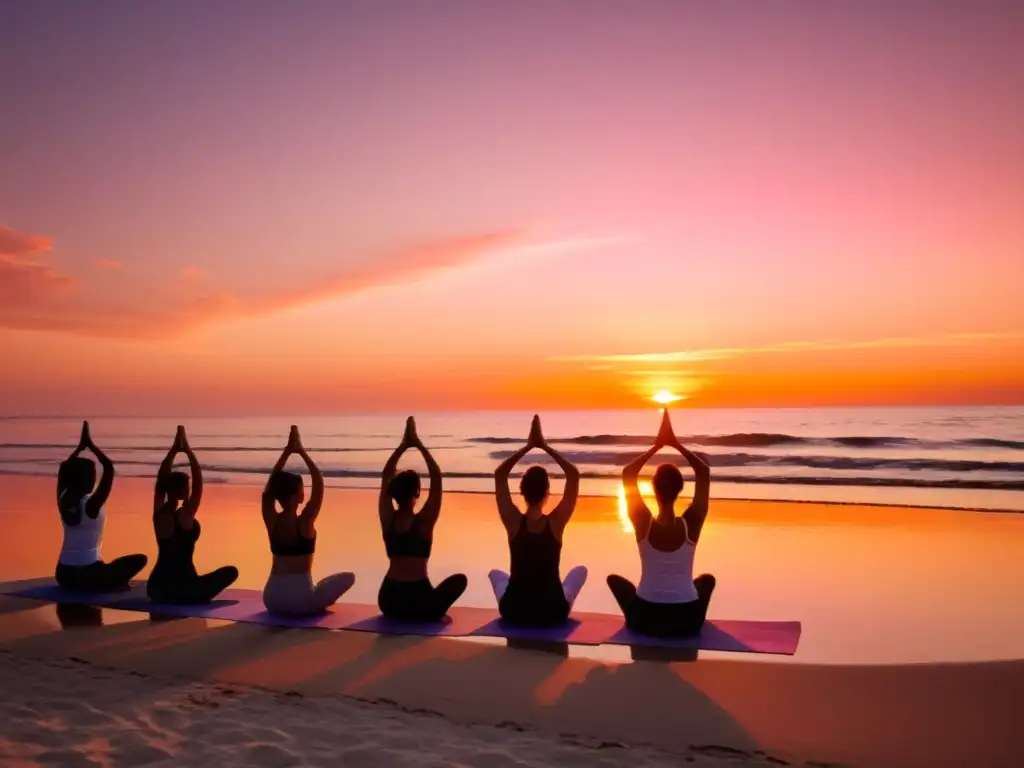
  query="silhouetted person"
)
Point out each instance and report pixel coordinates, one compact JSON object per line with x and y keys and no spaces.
{"x":406,"y":593}
{"x":174,"y":578}
{"x":532,"y":593}
{"x":669,"y":602}
{"x":290,"y":589}
{"x":80,"y":502}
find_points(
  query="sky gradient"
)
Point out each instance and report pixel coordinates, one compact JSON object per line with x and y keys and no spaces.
{"x":320,"y":206}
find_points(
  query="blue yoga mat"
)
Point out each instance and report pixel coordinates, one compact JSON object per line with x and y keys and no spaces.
{"x":244,"y":605}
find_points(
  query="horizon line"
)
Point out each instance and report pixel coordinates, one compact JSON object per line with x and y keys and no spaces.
{"x":450,"y":412}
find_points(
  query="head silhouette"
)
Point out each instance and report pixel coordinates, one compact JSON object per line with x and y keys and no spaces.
{"x":176,"y":486}
{"x":404,"y":488}
{"x":535,"y":485}
{"x":287,"y":489}
{"x":77,"y":475}
{"x":667,"y":483}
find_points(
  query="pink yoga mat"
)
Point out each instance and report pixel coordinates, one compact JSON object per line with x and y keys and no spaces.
{"x":245,"y":605}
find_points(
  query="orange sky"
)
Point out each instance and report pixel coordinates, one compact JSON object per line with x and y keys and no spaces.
{"x":348,"y":210}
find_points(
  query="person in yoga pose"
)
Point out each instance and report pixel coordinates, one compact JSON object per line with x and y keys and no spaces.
{"x":82,"y":516}
{"x":532,"y":594}
{"x":669,"y":602}
{"x":406,"y":593}
{"x":290,"y":589}
{"x":174,"y":578}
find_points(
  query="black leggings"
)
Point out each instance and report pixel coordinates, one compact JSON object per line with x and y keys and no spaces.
{"x":100,"y":576}
{"x":534,"y":608}
{"x":663,"y":619}
{"x":419,"y":600}
{"x":191,"y":590}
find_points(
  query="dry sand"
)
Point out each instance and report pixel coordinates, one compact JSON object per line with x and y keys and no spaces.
{"x":73,"y":713}
{"x":342,"y":697}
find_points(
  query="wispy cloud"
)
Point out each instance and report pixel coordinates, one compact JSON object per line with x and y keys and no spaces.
{"x":107,"y":264}
{"x":48,"y":310}
{"x":792,"y":347}
{"x":24,"y":275}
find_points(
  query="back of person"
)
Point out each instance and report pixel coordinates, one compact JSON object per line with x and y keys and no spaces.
{"x":81,"y":502}
{"x":534,"y":594}
{"x":668,"y":602}
{"x":292,"y":551}
{"x":83,"y":535}
{"x":403,"y":546}
{"x":406,"y":592}
{"x":666,"y":564}
{"x":175,"y":553}
{"x":292,"y":534}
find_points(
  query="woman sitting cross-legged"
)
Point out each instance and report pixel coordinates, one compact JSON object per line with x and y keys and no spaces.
{"x":669,"y":602}
{"x":80,"y":501}
{"x":290,"y":589}
{"x":406,"y":593}
{"x":174,"y":578}
{"x":532,"y":593}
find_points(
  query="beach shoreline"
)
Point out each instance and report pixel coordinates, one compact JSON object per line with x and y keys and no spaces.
{"x":583,"y":495}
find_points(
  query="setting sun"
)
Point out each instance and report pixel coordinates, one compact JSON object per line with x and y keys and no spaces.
{"x":664,"y":397}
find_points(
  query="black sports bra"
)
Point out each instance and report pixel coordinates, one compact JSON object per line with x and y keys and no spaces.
{"x":534,"y":555}
{"x":410,"y":543}
{"x":300,"y":546}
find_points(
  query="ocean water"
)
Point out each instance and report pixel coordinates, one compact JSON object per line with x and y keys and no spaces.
{"x":952,"y":457}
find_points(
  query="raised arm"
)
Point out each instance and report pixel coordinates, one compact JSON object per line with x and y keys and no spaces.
{"x":82,"y":441}
{"x":431,"y":510}
{"x":562,"y":512}
{"x":188,"y":510}
{"x":316,"y":494}
{"x":385,"y":506}
{"x":697,"y":512}
{"x":102,"y":493}
{"x":639,"y":513}
{"x":160,"y":486}
{"x":269,"y":506}
{"x":507,"y":509}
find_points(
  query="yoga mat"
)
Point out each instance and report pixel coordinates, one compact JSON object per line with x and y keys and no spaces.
{"x":780,"y":637}
{"x":243,"y":605}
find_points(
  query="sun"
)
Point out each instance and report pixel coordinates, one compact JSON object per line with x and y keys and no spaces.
{"x":664,"y":397}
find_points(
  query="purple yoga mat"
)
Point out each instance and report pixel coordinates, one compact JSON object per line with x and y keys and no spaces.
{"x":244,"y":605}
{"x":781,"y":637}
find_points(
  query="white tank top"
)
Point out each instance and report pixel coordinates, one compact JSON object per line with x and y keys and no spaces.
{"x":666,"y":577}
{"x":82,"y":542}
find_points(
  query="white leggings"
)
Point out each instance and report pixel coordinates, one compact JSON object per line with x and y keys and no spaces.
{"x":571,"y":584}
{"x":294,"y":594}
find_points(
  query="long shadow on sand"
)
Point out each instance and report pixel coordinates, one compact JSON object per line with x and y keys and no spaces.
{"x":947,"y":714}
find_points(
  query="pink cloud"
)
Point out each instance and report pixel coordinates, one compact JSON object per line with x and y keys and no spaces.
{"x":44,"y":310}
{"x":107,"y":264}
{"x":24,"y":278}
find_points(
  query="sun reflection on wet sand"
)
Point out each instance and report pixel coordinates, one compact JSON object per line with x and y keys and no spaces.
{"x":646,"y":491}
{"x":841,"y":570}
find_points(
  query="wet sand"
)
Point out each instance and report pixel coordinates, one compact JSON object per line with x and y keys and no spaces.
{"x":249,"y":695}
